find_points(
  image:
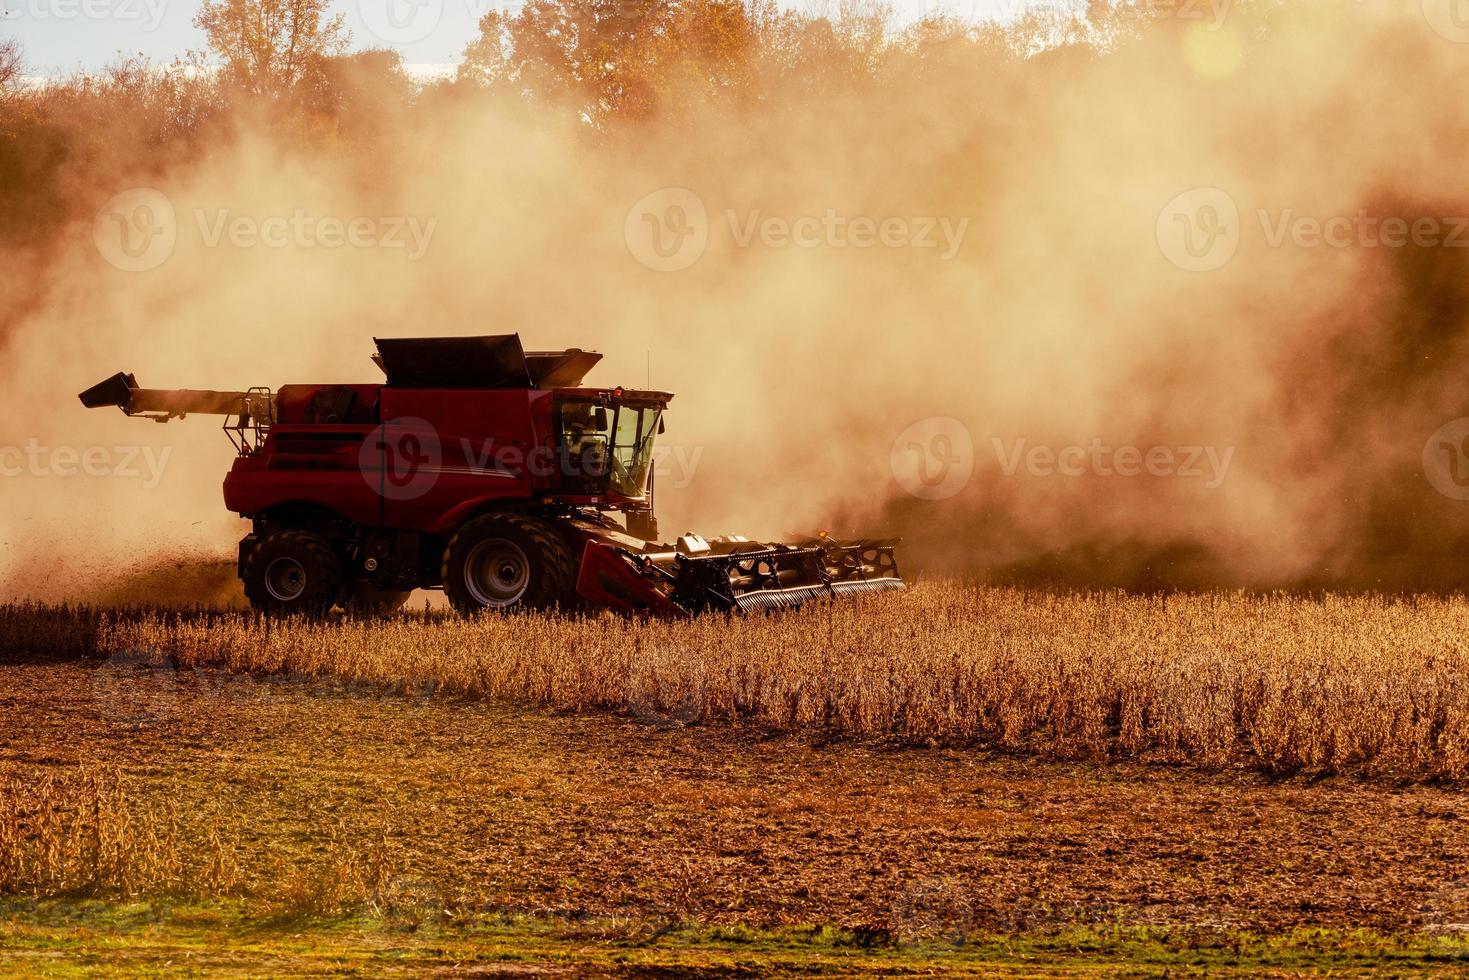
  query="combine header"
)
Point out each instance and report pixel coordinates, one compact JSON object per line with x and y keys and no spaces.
{"x":489,"y":472}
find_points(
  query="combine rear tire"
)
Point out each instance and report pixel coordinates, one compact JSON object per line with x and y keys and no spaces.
{"x":507,"y":562}
{"x":292,"y":572}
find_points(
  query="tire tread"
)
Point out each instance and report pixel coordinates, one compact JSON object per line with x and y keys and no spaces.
{"x":311,"y":546}
{"x":555,"y":585}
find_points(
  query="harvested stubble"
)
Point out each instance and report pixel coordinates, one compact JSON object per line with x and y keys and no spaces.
{"x":1374,"y":685}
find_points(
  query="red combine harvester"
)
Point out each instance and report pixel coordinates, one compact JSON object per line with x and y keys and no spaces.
{"x":488,"y":472}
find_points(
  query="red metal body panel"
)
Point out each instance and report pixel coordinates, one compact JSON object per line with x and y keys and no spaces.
{"x":414,"y":459}
{"x":314,"y":465}
{"x":608,"y":579}
{"x":420,"y":459}
{"x":475,"y":450}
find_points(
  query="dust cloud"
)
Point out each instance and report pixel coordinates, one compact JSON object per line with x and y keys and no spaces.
{"x":1021,"y":273}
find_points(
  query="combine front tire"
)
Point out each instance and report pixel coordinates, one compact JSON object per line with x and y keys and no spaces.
{"x":506,"y":562}
{"x":290,"y":572}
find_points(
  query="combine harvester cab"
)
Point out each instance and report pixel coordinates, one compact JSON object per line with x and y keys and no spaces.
{"x":486,"y":471}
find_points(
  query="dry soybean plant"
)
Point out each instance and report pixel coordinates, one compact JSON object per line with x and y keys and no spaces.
{"x":1287,"y":684}
{"x":81,"y":833}
{"x":84,"y":833}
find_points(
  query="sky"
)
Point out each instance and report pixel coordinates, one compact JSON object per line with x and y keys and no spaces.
{"x":62,"y":36}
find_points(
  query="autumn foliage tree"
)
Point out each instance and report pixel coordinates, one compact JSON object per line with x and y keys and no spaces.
{"x":270,"y":47}
{"x":10,"y":66}
{"x":614,"y":58}
{"x":602,"y":63}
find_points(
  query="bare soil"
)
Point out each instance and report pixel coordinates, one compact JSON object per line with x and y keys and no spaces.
{"x":510,"y":809}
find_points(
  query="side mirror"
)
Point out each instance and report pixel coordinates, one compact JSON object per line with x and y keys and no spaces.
{"x":661,"y":426}
{"x":599,"y":419}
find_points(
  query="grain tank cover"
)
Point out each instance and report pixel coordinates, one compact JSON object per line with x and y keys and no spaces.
{"x":562,"y":368}
{"x":454,"y":362}
{"x":479,"y":362}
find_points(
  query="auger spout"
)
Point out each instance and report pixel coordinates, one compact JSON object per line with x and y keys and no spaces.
{"x":161,"y":404}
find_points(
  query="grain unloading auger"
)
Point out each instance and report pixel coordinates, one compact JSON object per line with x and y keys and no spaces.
{"x":489,"y":472}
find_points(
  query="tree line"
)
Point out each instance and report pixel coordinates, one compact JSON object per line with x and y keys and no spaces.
{"x":607,"y":64}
